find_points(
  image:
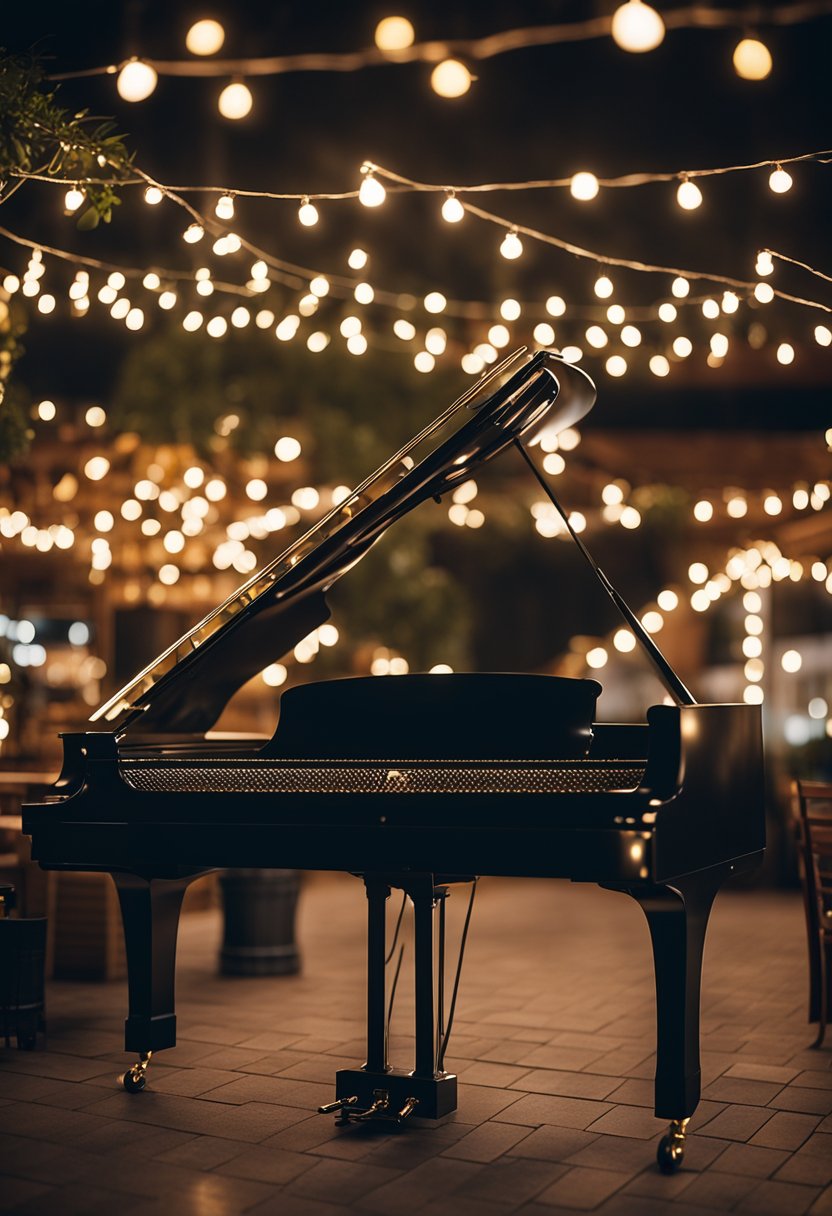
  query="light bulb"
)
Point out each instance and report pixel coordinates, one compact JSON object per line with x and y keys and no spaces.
{"x":73,"y":199}
{"x":235,"y":101}
{"x":450,"y":78}
{"x":153,"y":195}
{"x":667,"y":312}
{"x":511,"y":246}
{"x":224,"y":209}
{"x":371,"y":193}
{"x":205,"y":37}
{"x":780,"y":181}
{"x":785,"y":353}
{"x":688,"y":195}
{"x":680,"y":287}
{"x":357,"y":259}
{"x":394,"y":34}
{"x":308,"y":213}
{"x":193,"y":233}
{"x":136,"y":81}
{"x":659,"y":365}
{"x":452,"y":209}
{"x":616,"y":365}
{"x":752,"y":59}
{"x":823,"y":335}
{"x":603,"y":287}
{"x":637,"y":27}
{"x":764,"y":265}
{"x":584,"y":186}
{"x":764,"y":293}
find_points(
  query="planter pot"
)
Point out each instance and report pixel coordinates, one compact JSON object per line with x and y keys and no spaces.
{"x":22,"y":957}
{"x":259,"y":928}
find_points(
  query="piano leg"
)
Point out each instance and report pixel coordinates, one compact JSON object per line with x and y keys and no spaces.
{"x":677,"y":916}
{"x":150,"y":913}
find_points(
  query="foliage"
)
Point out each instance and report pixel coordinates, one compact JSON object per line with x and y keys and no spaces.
{"x":353,"y":411}
{"x":14,"y":430}
{"x":37,"y":136}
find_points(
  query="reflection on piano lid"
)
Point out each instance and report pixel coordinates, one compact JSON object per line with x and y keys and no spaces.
{"x":284,"y":601}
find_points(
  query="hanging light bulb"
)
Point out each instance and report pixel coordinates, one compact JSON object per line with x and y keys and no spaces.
{"x":73,"y":198}
{"x":584,"y":186}
{"x":205,"y":37}
{"x":193,"y":233}
{"x":452,"y":209}
{"x":752,"y":59}
{"x":688,"y":196}
{"x":780,"y":181}
{"x":371,"y":192}
{"x":637,"y":27}
{"x":307,"y":213}
{"x":136,"y":81}
{"x":235,"y":101}
{"x":153,"y":195}
{"x":224,"y":209}
{"x":450,"y":78}
{"x":603,"y":287}
{"x":394,"y":34}
{"x":765,"y":265}
{"x":511,"y":246}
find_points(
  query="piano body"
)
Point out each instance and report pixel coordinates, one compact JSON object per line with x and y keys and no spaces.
{"x":414,"y":782}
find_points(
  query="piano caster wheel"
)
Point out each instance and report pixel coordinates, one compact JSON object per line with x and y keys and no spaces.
{"x":135,"y":1079}
{"x":671,"y":1151}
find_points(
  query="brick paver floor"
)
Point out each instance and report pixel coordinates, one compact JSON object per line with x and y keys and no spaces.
{"x":552,"y":1043}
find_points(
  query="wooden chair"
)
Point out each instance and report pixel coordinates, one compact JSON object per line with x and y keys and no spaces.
{"x":812,"y":804}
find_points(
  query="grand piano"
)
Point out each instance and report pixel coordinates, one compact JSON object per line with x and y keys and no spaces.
{"x":413,"y":783}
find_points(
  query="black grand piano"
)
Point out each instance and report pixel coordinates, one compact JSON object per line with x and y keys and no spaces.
{"x":414,"y":782}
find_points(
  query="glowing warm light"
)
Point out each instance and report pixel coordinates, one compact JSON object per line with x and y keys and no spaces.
{"x":450,"y":78}
{"x":753,"y":624}
{"x":584,"y":186}
{"x":357,"y":259}
{"x":737,"y":506}
{"x":631,"y":336}
{"x":682,"y":347}
{"x":667,"y":312}
{"x":352,"y":325}
{"x":616,"y":365}
{"x":753,"y":695}
{"x":653,"y":622}
{"x":596,"y":337}
{"x":274,"y":675}
{"x":764,"y":293}
{"x":434,"y":302}
{"x":499,"y":336}
{"x":791,"y":661}
{"x":818,"y":708}
{"x":215,"y":489}
{"x":235,"y":101}
{"x":571,"y":354}
{"x":512,"y":246}
{"x":371,"y":192}
{"x":603,"y":287}
{"x":308,"y":213}
{"x":46,"y":304}
{"x":624,"y":641}
{"x":698,"y":572}
{"x":357,"y":344}
{"x":659,"y":365}
{"x":680,"y":287}
{"x":96,"y":468}
{"x":636,"y":27}
{"x":394,"y":34}
{"x":317,"y":341}
{"x":754,"y":670}
{"x":752,"y":59}
{"x":47,"y":410}
{"x":224,"y":209}
{"x":193,"y":233}
{"x":136,"y":81}
{"x":780,"y":181}
{"x":785,"y":353}
{"x":710,"y":309}
{"x":630,"y":518}
{"x":319,"y":286}
{"x":772,"y":504}
{"x":667,"y":600}
{"x":167,"y":300}
{"x":688,"y":195}
{"x":452,"y":210}
{"x":703,"y":511}
{"x":305,"y":498}
{"x":700,"y":601}
{"x":73,"y":199}
{"x":555,"y":306}
{"x":435,"y":341}
{"x":597,"y":657}
{"x":544,"y":335}
{"x":510,"y":310}
{"x":205,"y":37}
{"x":192,"y":321}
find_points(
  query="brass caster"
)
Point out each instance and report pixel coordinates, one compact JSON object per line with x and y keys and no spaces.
{"x":671,"y":1151}
{"x":135,"y":1079}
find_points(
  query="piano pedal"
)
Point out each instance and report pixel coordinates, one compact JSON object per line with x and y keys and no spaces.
{"x":671,"y":1151}
{"x":135,"y":1079}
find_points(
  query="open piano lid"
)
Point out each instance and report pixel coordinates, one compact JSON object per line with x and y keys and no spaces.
{"x":187,"y":687}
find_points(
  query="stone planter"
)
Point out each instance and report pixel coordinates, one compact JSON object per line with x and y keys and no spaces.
{"x":259,"y":922}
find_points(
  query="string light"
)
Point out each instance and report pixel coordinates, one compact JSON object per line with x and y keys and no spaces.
{"x":752,"y":59}
{"x":136,"y":81}
{"x":452,"y":209}
{"x":224,"y":209}
{"x":394,"y":34}
{"x":603,"y":287}
{"x":785,"y":353}
{"x":73,"y":199}
{"x":780,"y":181}
{"x":511,"y":247}
{"x":688,"y":195}
{"x":764,"y":293}
{"x":371,"y":192}
{"x":450,"y":78}
{"x":235,"y":101}
{"x":584,"y":186}
{"x":205,"y":37}
{"x":308,"y":213}
{"x":636,"y":27}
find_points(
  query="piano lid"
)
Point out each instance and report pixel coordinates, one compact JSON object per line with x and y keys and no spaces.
{"x":186,"y":688}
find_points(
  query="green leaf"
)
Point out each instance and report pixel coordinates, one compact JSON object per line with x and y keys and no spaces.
{"x":88,"y":220}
